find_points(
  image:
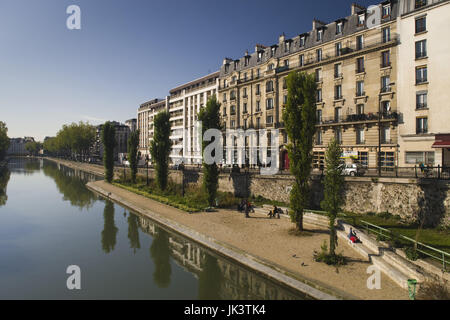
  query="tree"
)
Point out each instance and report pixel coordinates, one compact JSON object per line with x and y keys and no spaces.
{"x":109,"y":233}
{"x":299,"y":119}
{"x":160,"y":148}
{"x":4,"y":140}
{"x":109,"y":143}
{"x":33,"y":147}
{"x":210,"y":117}
{"x":333,"y":187}
{"x":133,"y":145}
{"x":160,"y":253}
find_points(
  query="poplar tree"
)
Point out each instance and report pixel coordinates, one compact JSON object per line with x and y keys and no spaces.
{"x":210,"y":118}
{"x":4,"y":140}
{"x":133,"y":145}
{"x":333,"y":187}
{"x":299,"y":119}
{"x":160,"y":148}
{"x":109,"y":143}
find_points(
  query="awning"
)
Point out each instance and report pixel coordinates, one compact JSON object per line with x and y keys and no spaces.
{"x":442,"y":141}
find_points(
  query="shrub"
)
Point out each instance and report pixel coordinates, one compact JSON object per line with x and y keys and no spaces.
{"x":332,"y":260}
{"x":411,"y":253}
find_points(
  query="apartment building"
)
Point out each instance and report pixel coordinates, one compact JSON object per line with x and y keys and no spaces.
{"x":355,"y":65}
{"x":17,"y":146}
{"x":424,"y":82}
{"x":184,"y":103}
{"x":146,"y":113}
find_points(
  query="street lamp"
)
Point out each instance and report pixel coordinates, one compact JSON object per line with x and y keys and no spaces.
{"x":383,"y":90}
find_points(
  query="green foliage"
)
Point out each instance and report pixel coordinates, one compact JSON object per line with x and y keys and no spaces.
{"x":109,"y":233}
{"x":160,"y":148}
{"x":333,"y":184}
{"x":210,"y":118}
{"x":4,"y":140}
{"x":434,"y":290}
{"x":133,"y":156}
{"x":73,"y":139}
{"x":160,"y":253}
{"x":329,"y":259}
{"x":411,"y":253}
{"x":33,"y":147}
{"x":109,"y":143}
{"x":299,"y":119}
{"x":4,"y":179}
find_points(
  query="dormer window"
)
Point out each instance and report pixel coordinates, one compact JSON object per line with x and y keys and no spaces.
{"x":247,"y":60}
{"x":287,"y":46}
{"x":271,"y":67}
{"x":386,"y":11}
{"x":227,"y":68}
{"x":319,"y":35}
{"x":339,"y":26}
{"x":273,"y":50}
{"x":260,"y":54}
{"x":361,"y":19}
{"x":302,"y":41}
{"x":236,"y":65}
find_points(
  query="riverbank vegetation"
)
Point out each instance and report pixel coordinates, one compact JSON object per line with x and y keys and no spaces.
{"x":4,"y":140}
{"x":109,"y":143}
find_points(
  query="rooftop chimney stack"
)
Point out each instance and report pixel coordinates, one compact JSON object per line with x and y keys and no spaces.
{"x":281,"y":38}
{"x":317,"y":24}
{"x":356,"y":8}
{"x":226,"y":61}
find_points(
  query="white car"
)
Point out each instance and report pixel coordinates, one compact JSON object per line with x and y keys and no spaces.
{"x":353,"y":169}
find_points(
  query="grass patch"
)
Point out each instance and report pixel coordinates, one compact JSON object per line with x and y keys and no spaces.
{"x":330,"y":259}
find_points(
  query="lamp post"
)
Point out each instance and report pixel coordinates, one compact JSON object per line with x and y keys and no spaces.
{"x":146,"y":164}
{"x":383,"y":89}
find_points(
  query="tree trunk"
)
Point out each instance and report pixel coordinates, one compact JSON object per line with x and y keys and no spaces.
{"x":299,"y":221}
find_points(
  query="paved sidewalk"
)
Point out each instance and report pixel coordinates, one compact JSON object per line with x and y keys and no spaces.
{"x":270,"y":241}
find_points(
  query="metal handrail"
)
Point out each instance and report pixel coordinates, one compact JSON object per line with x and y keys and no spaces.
{"x":417,"y":243}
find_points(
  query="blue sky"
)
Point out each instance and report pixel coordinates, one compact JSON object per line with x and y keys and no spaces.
{"x":127,"y":52}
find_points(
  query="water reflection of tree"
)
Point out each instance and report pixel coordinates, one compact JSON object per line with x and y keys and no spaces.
{"x":210,"y":280}
{"x":110,"y":230}
{"x":72,"y":187}
{"x":160,"y":253}
{"x":5,"y":174}
{"x":133,"y":232}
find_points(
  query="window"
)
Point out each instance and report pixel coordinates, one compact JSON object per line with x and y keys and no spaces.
{"x":337,"y":92}
{"x":284,"y":83}
{"x":258,"y":73}
{"x":233,"y":110}
{"x":385,"y":107}
{"x":273,"y":51}
{"x":302,"y":41}
{"x":269,"y":86}
{"x":286,"y":63}
{"x":225,"y":83}
{"x":421,"y":75}
{"x":285,"y":99}
{"x":233,"y":124}
{"x":387,"y":160}
{"x":318,"y":160}
{"x":359,"y":42}
{"x":360,"y":139}
{"x":386,"y":11}
{"x":338,"y":114}
{"x":319,"y":34}
{"x":224,"y":111}
{"x":360,"y":65}
{"x":232,"y":95}
{"x":259,"y":56}
{"x":319,"y":140}
{"x":319,"y":116}
{"x":420,"y":3}
{"x":360,"y":89}
{"x":360,"y":109}
{"x":338,"y":135}
{"x":422,"y":125}
{"x":363,"y":159}
{"x":301,"y":60}
{"x":421,"y":49}
{"x":361,"y":19}
{"x":247,"y":59}
{"x":319,"y":55}
{"x":421,"y":25}
{"x":258,"y":91}
{"x":339,"y":28}
{"x":386,"y":32}
{"x":225,"y":97}
{"x":385,"y":59}
{"x":244,"y":91}
{"x":287,"y":46}
{"x":269,"y":104}
{"x":245,"y":76}
{"x":258,"y":125}
{"x":270,"y":67}
{"x":337,"y":70}
{"x":420,"y":157}
{"x":385,"y":84}
{"x":258,"y":106}
{"x":318,"y":75}
{"x":338,"y":49}
{"x":245,"y":108}
{"x":386,"y":135}
{"x":421,"y":100}
{"x":319,"y":95}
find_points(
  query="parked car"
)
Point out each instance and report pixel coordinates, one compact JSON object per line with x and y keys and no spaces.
{"x":353,"y":169}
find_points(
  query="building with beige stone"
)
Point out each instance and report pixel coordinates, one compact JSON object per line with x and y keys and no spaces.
{"x":355,"y":65}
{"x":423,"y":82}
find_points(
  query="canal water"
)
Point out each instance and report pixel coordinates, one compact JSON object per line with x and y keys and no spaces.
{"x":49,"y":220}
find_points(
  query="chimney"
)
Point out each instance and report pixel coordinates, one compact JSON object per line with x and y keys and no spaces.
{"x":317,"y":24}
{"x":246,"y":53}
{"x":226,"y":61}
{"x":281,"y":38}
{"x":356,"y":8}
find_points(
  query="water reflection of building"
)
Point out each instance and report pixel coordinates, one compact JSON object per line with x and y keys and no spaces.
{"x":236,"y":282}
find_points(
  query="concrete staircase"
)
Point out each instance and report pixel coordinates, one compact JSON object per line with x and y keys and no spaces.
{"x":390,"y":261}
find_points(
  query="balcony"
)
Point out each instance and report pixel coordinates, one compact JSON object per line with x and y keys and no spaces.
{"x":282,"y":69}
{"x":358,"y":118}
{"x":420,"y":106}
{"x":360,"y":94}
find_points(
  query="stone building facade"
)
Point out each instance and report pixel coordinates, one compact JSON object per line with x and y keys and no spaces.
{"x":424,"y":79}
{"x":355,"y":65}
{"x":146,"y":113}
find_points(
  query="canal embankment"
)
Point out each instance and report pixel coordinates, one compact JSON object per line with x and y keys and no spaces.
{"x":264,"y":245}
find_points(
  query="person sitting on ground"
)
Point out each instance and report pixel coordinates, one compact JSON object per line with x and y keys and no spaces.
{"x":352,"y":236}
{"x":275,"y":211}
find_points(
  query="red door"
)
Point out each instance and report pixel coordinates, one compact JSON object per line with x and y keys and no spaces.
{"x":285,"y":160}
